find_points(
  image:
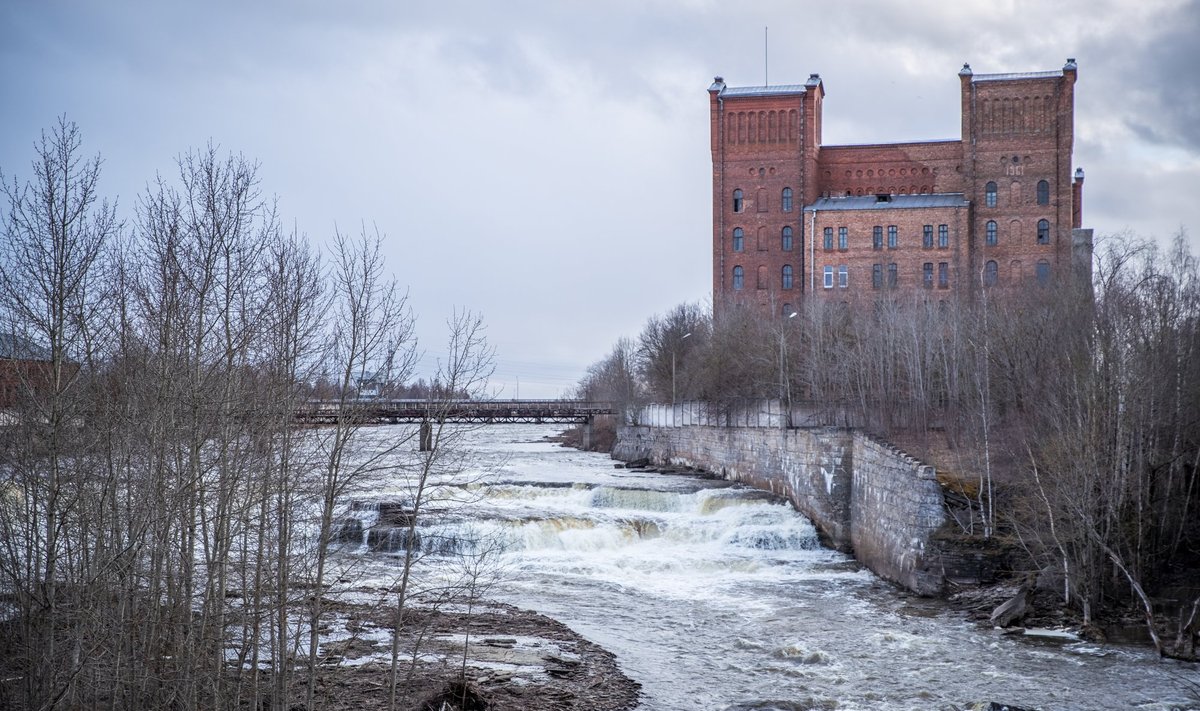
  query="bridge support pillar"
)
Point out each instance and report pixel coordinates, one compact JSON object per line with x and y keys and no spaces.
{"x":586,"y":429}
{"x":426,"y":436}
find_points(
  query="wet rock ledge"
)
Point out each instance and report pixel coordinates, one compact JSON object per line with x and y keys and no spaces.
{"x":516,"y":660}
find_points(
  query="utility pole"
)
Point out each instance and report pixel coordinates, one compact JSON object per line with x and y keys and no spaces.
{"x":785,"y":387}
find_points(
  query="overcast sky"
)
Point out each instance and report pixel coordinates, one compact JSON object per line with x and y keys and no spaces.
{"x":547,"y":163}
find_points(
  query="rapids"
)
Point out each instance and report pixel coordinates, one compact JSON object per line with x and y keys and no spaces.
{"x":719,"y":597}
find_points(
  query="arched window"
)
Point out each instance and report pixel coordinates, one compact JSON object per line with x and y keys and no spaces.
{"x":991,"y":272}
{"x":989,"y":195}
{"x":739,"y":239}
{"x":737,"y":200}
{"x":739,"y":278}
{"x":785,"y":202}
{"x":1043,"y":192}
{"x":1043,"y":232}
{"x":787,"y":276}
{"x":785,"y":239}
{"x":991,"y":233}
{"x":1043,"y":272}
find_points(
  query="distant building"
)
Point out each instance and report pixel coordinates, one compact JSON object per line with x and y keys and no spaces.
{"x":999,"y":206}
{"x":23,"y":365}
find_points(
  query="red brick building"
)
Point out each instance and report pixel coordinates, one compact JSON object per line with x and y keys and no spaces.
{"x":23,"y":366}
{"x":999,"y":206}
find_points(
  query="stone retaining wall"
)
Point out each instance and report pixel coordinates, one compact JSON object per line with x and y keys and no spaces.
{"x":864,"y":496}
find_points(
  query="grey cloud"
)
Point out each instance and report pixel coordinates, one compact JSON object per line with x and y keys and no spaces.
{"x":1168,"y":79}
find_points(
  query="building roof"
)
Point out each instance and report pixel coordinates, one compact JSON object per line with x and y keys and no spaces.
{"x":893,"y":202}
{"x":775,"y":90}
{"x":14,"y":347}
{"x":1053,"y":74}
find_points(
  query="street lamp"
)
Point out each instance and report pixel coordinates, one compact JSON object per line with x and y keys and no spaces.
{"x":681,"y":340}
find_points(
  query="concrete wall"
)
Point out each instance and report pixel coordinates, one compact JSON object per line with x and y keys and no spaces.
{"x":864,"y":497}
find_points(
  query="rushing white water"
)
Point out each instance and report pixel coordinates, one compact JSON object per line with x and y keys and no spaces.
{"x":716,"y":597}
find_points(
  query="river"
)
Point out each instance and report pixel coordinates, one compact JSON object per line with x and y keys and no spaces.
{"x":719,"y":597}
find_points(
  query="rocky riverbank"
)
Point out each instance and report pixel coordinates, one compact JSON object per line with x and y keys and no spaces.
{"x":498,"y":658}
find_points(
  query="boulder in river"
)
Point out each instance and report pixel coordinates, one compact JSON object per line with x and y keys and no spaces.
{"x":1012,"y":610}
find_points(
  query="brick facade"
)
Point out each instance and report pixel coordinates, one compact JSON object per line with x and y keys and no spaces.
{"x":1000,"y":201}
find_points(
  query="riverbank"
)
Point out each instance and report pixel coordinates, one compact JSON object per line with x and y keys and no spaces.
{"x":896,"y":516}
{"x":496,"y":657}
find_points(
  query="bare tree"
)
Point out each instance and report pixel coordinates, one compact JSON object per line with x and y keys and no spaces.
{"x":55,"y":231}
{"x":372,"y":334}
{"x":468,"y":364}
{"x":664,"y":349}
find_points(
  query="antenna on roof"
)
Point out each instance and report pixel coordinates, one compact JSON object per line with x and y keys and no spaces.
{"x":766,"y":63}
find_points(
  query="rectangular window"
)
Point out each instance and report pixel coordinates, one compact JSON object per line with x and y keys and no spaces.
{"x":828,"y":277}
{"x":843,"y":276}
{"x":828,"y":238}
{"x":877,"y":276}
{"x":893,"y":276}
{"x":877,"y":237}
{"x":892,"y":238}
{"x":927,"y":237}
{"x":927,"y":274}
{"x":1043,"y":272}
{"x":843,"y":238}
{"x":943,"y":236}
{"x":943,"y":275}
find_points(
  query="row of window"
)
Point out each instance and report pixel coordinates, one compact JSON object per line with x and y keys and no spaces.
{"x":990,"y":197}
{"x":992,"y":236}
{"x":893,"y":237}
{"x":787,"y":237}
{"x":843,"y":276}
{"x":839,"y":275}
{"x":893,"y":275}
{"x":991,"y":274}
{"x":786,"y":277}
{"x":989,"y":193}
{"x":785,"y":200}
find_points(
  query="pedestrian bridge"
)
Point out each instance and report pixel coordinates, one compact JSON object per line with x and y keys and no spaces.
{"x":390,"y":412}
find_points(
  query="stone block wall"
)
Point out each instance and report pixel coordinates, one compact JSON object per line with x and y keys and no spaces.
{"x":864,"y":496}
{"x":896,"y":505}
